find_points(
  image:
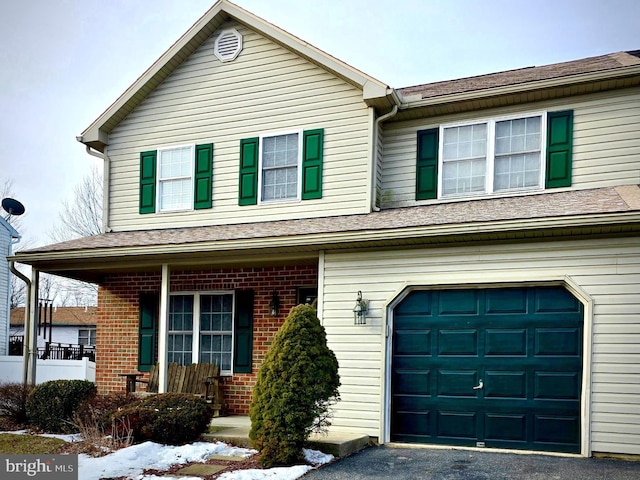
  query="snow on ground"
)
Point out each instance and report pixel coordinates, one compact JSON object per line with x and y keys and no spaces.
{"x":132,"y":461}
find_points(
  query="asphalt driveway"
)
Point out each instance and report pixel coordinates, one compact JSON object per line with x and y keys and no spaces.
{"x":391,"y":463}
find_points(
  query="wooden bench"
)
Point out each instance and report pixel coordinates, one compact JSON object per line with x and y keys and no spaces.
{"x":201,"y":379}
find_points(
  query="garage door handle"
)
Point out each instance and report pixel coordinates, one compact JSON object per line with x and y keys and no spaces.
{"x":480,"y":386}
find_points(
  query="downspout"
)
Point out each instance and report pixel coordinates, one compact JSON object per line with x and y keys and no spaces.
{"x":27,"y":330}
{"x":105,"y":187}
{"x":378,"y":121}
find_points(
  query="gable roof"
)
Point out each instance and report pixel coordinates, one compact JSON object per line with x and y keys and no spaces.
{"x":62,"y":316}
{"x":95,"y":136}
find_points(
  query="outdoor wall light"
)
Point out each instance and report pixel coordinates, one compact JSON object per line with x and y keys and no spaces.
{"x":274,"y":304}
{"x":360,"y":310}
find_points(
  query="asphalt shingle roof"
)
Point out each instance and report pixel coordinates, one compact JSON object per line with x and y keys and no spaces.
{"x":562,"y":204}
{"x":611,"y":61}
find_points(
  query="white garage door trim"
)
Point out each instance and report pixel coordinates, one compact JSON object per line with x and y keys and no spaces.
{"x":475,"y":281}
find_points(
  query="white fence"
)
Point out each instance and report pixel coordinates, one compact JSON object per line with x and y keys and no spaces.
{"x":11,"y":370}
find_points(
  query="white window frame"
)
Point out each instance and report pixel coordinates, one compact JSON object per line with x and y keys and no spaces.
{"x":195,"y":333}
{"x":298,"y":167}
{"x":159,"y":181}
{"x":490,"y":156}
{"x":91,"y":332}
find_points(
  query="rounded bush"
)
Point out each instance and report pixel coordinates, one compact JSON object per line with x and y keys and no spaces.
{"x":169,"y":418}
{"x":296,"y":385}
{"x":52,"y":405}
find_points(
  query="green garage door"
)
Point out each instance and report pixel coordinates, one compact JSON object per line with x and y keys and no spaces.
{"x":499,"y":368}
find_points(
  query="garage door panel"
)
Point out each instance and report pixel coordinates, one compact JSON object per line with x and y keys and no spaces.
{"x":458,"y":302}
{"x":414,"y":423}
{"x":557,"y":385}
{"x":511,"y":427}
{"x":556,"y":429}
{"x":458,"y":342}
{"x":500,"y":342}
{"x":505,"y":384}
{"x":414,"y":382}
{"x":411,"y":342}
{"x":457,"y":383}
{"x":418,"y":303}
{"x":555,"y":300}
{"x":558,"y":341}
{"x":501,"y":301}
{"x":459,"y":425}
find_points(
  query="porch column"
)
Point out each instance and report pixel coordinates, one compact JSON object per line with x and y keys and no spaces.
{"x":31,"y":331}
{"x":163,"y":329}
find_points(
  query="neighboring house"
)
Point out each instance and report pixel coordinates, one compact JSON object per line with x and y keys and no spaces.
{"x":69,"y":326}
{"x":8,"y":237}
{"x":491,"y":223}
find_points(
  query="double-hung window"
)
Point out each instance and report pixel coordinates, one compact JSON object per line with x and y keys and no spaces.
{"x":280,"y":157}
{"x":87,"y":336}
{"x":492,"y":156}
{"x":176,"y":178}
{"x":284,"y":167}
{"x":175,"y":182}
{"x":201,"y":329}
{"x":499,"y":155}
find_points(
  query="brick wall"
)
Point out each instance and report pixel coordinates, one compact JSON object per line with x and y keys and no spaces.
{"x":117,"y":318}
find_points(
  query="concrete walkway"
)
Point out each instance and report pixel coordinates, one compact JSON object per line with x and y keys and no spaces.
{"x":234,"y":429}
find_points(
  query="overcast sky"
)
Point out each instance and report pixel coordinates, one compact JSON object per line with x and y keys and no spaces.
{"x":63,"y":62}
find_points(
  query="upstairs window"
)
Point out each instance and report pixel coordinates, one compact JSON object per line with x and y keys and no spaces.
{"x":175,"y":184}
{"x":176,"y":178}
{"x":280,"y":168}
{"x":279,"y":160}
{"x":520,"y":153}
{"x":492,"y":156}
{"x":87,"y":336}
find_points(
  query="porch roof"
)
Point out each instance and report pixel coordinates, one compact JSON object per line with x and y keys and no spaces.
{"x":593,"y":211}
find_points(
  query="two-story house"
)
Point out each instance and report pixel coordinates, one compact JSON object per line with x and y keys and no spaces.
{"x":490,"y":225}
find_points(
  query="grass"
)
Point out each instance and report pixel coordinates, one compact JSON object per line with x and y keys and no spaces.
{"x":27,"y":444}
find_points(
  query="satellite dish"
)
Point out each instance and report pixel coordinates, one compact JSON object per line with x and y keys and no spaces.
{"x":12,"y":206}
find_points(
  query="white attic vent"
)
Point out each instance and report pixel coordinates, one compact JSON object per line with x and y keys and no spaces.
{"x":228,"y":45}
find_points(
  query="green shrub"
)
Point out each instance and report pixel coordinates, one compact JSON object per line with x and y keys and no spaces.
{"x":52,"y":405}
{"x":296,"y":385}
{"x":169,"y":418}
{"x":13,"y":402}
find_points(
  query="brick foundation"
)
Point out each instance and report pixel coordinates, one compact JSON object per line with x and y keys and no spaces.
{"x":117,"y":318}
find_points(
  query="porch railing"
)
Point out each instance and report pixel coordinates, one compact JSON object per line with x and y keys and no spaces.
{"x":55,"y":351}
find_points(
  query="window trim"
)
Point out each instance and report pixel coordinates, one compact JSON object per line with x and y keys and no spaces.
{"x":195,"y":332}
{"x":191,"y":177}
{"x":260,"y":192}
{"x":91,"y":332}
{"x":490,"y":156}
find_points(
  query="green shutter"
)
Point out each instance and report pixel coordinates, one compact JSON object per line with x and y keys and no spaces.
{"x":427,"y":164}
{"x":148,"y":182}
{"x":559,"y":148}
{"x":312,"y":164}
{"x":202,"y":192}
{"x":248,"y":194}
{"x":243,"y":332}
{"x":147,"y":331}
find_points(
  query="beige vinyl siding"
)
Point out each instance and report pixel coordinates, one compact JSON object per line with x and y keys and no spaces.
{"x":606,"y":270}
{"x":267,"y":89}
{"x":606,"y":147}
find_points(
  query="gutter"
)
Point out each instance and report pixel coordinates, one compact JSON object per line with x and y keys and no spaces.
{"x":105,"y":179}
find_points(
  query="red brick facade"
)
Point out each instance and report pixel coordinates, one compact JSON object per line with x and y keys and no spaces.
{"x":118,"y":311}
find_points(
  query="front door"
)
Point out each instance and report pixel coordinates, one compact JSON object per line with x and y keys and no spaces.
{"x":497,"y":367}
